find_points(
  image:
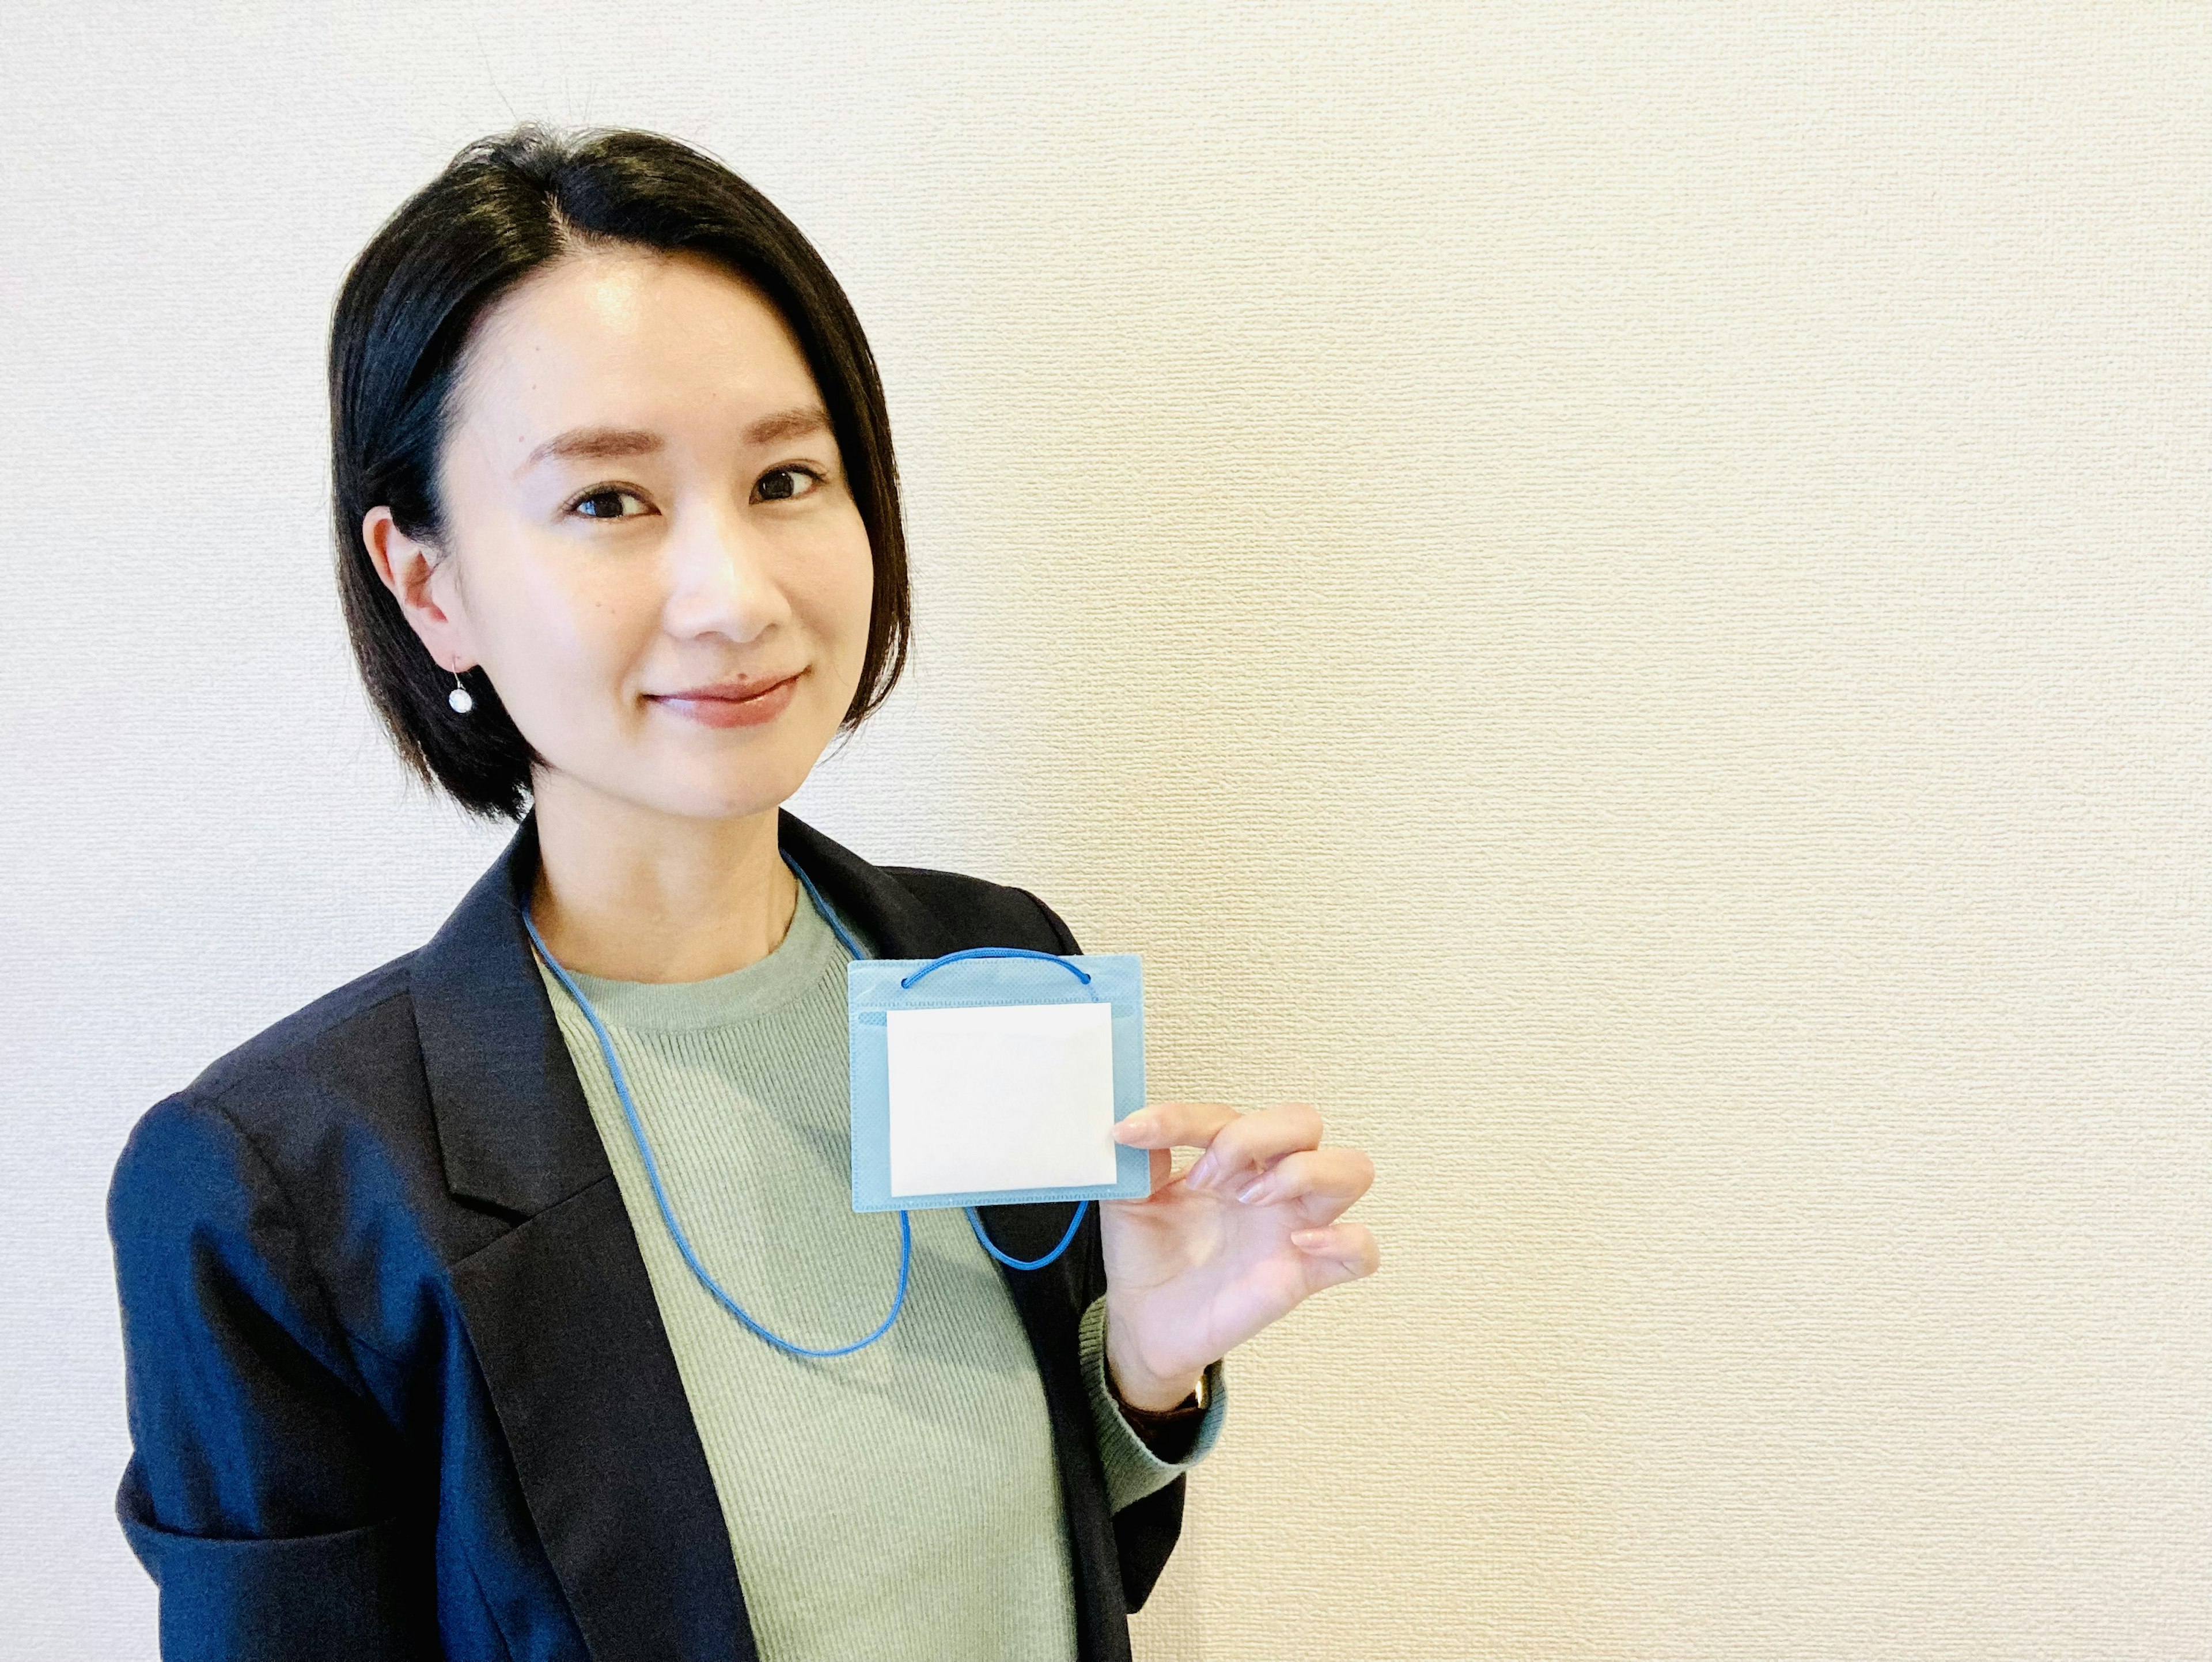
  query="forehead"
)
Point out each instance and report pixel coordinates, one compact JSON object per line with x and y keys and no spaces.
{"x":626,"y":336}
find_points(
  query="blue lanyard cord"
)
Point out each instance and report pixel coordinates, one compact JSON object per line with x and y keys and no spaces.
{"x":974,"y":1223}
{"x":1074,"y":1223}
{"x":660,"y":1193}
{"x":1075,"y":970}
{"x":828,"y":914}
{"x":705,"y":1279}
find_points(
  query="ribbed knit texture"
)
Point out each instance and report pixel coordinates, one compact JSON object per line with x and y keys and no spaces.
{"x":902,"y":1501}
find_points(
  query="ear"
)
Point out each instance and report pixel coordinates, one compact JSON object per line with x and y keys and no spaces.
{"x":421,"y":580}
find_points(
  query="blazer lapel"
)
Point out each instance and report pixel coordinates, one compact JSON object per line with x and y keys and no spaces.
{"x":562,"y":1316}
{"x":559,"y":1310}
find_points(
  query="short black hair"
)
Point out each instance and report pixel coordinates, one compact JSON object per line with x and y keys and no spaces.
{"x":504,"y":206}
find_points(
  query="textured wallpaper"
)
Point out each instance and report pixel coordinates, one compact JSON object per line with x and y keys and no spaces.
{"x":1617,"y":596}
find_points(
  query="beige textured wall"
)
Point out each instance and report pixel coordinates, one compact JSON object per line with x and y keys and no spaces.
{"x":1617,"y":596}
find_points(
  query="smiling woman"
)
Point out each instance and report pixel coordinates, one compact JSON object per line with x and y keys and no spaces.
{"x":544,"y":308}
{"x":680,"y":638}
{"x":420,"y":1362}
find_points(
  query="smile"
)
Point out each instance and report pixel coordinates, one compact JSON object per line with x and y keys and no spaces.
{"x":729,"y":704}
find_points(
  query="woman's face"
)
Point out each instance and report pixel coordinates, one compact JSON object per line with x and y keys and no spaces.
{"x":650,"y":546}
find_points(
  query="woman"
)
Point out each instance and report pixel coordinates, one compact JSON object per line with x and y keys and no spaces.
{"x":417,"y":1364}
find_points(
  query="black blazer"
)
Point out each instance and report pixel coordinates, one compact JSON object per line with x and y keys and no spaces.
{"x":397,"y":1386}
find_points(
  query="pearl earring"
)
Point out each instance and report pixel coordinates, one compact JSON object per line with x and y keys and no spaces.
{"x":460,"y":698}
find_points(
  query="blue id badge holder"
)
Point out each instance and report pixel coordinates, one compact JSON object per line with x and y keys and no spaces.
{"x":993,"y":1077}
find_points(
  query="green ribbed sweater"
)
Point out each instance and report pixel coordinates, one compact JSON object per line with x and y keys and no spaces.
{"x":898,"y":1502}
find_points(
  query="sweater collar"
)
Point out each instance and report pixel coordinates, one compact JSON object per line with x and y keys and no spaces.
{"x":512,"y":1124}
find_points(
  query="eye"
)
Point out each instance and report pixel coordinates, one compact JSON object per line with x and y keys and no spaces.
{"x":781,"y":485}
{"x":604,"y":502}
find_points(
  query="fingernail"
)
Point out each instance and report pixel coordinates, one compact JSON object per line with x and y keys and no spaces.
{"x":1202,"y":1173}
{"x":1308,"y":1237}
{"x":1250,"y":1190}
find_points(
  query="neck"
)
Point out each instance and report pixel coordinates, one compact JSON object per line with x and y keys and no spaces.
{"x":631,"y":894}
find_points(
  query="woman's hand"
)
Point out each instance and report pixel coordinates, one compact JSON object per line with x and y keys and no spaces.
{"x":1215,"y":1255}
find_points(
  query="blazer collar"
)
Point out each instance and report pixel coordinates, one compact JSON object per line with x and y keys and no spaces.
{"x":512,"y":1125}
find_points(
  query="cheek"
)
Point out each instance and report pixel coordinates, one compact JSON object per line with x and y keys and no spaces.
{"x":834,"y":589}
{"x":559,"y":643}
{"x":859,"y":585}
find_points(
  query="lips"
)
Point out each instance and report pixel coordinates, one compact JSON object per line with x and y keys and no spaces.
{"x":730,"y":691}
{"x":729,"y":704}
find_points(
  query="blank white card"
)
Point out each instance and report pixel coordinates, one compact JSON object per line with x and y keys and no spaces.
{"x":1006,"y":1097}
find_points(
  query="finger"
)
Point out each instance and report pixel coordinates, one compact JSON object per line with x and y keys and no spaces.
{"x":1241,"y":1150}
{"x":1174,"y":1124}
{"x":1160,"y":1173}
{"x":1333,"y":1177}
{"x":1336,"y":1252}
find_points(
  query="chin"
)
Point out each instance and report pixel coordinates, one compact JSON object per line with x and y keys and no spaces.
{"x":694,"y":781}
{"x":697,"y":793}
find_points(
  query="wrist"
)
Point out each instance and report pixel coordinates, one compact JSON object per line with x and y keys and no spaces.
{"x":1136,"y":1386}
{"x":1152,"y":1396}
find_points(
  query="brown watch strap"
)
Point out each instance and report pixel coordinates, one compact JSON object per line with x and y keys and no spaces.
{"x":1169,"y":1433}
{"x":1143,"y":1419}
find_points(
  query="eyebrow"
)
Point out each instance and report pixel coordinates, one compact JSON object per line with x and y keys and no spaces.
{"x":604,"y":443}
{"x":788,"y":424}
{"x":593,"y":444}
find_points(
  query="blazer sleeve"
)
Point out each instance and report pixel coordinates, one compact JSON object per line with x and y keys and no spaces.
{"x":1145,"y":1531}
{"x":266,"y":1493}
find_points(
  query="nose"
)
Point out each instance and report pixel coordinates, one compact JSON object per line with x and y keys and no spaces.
{"x":722,"y":578}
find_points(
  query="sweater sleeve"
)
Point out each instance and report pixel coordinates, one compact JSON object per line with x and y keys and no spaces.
{"x":1132,"y":1471}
